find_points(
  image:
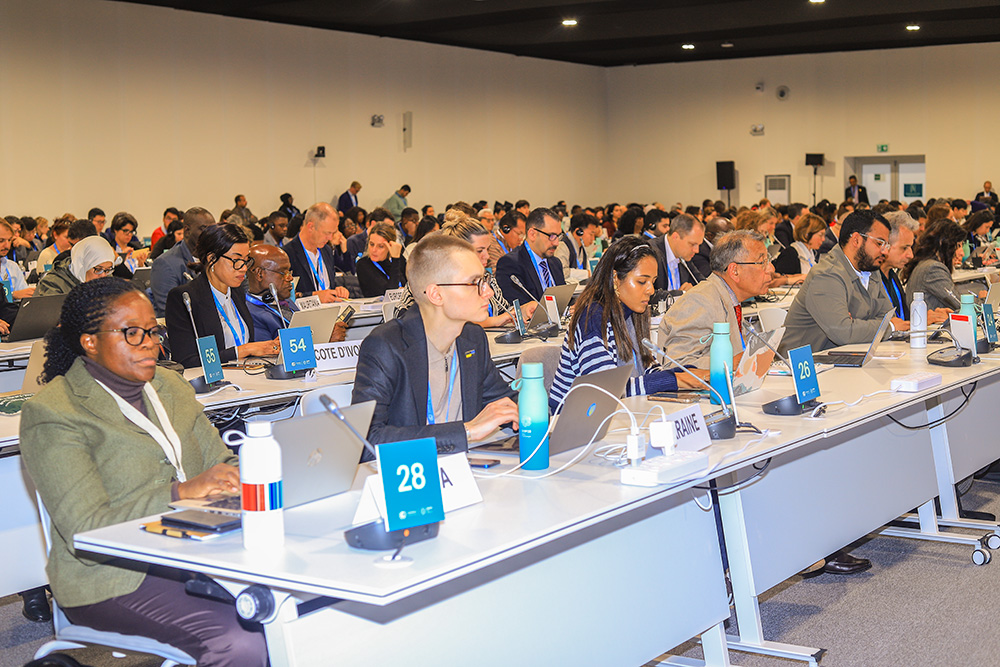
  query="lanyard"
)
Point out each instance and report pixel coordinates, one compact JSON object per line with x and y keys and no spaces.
{"x":899,"y":297}
{"x":166,"y":438}
{"x":674,"y":275}
{"x":238,"y":337}
{"x":129,"y":259}
{"x":380,"y":269}
{"x":502,"y":244}
{"x":451,"y":387}
{"x":6,"y":269}
{"x":253,"y":299}
{"x":320,"y":283}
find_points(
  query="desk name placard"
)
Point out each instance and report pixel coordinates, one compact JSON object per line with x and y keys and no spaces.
{"x":337,"y":356}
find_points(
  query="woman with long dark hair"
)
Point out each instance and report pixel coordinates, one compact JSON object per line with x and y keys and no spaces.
{"x":610,"y":320}
{"x":111,"y":438}
{"x":934,"y":259}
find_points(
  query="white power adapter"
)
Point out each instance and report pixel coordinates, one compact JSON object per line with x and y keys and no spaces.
{"x":915,"y":382}
{"x":662,"y":435}
{"x":635,"y":448}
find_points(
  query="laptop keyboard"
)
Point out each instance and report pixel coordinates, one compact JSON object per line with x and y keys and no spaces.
{"x":227,"y":503}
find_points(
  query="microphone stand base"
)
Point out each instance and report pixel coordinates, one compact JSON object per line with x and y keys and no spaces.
{"x":277,"y":372}
{"x":950,"y":357}
{"x":720,"y":426}
{"x":509,"y":338}
{"x":789,"y":406}
{"x":202,"y":387}
{"x":374,"y":536}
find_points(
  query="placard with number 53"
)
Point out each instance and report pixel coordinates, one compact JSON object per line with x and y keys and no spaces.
{"x":412,"y":483}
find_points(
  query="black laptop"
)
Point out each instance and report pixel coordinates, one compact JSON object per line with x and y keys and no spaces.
{"x":35,"y":317}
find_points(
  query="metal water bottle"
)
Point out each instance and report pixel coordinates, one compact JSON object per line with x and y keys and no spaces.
{"x":720,"y":356}
{"x":263,"y":497}
{"x":969,"y":308}
{"x":533,"y":417}
{"x":918,"y":321}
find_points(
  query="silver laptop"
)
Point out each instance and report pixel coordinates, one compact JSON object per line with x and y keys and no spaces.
{"x":584,"y":415}
{"x":320,"y":320}
{"x":319,"y":458}
{"x":563,"y":295}
{"x":857,"y":359}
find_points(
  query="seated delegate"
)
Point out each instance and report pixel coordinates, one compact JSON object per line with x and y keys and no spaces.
{"x":934,"y":258}
{"x":123,"y":227}
{"x":218,"y":301}
{"x":610,"y":320}
{"x":89,"y":259}
{"x":430,"y":371}
{"x":111,"y":438}
{"x":799,"y":257}
{"x":382,"y":267}
{"x":533,"y":263}
{"x":312,"y":258}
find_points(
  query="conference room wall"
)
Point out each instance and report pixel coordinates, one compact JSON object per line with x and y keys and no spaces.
{"x":679,"y":119}
{"x":136,"y":108}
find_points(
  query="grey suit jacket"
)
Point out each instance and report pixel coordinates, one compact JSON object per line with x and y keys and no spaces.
{"x":933,"y":279}
{"x":833,"y":308}
{"x":691,"y":318}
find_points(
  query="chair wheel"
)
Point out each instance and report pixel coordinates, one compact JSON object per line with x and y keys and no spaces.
{"x":980,"y":557}
{"x":991,"y":541}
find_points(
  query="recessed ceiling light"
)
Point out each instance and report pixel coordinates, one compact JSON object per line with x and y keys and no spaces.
{"x":569,"y":22}
{"x":727,"y":45}
{"x":913,"y":28}
{"x":816,"y":2}
{"x":687,"y":47}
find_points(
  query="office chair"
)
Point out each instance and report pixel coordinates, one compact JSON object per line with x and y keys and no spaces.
{"x":69,"y":636}
{"x":340,"y":393}
{"x":547,"y":356}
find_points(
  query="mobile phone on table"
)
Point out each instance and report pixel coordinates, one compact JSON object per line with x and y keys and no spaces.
{"x":483,"y":463}
{"x":346,"y":314}
{"x":673,"y":397}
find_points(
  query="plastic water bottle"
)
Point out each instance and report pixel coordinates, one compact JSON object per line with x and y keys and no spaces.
{"x":721,"y":355}
{"x":533,"y":417}
{"x":263,"y":497}
{"x":918,"y":321}
{"x":969,"y":308}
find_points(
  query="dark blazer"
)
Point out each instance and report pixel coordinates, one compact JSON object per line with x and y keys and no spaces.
{"x":300,"y":267}
{"x":356,"y":246}
{"x":345,"y":203}
{"x":784,"y":233}
{"x":990,"y":198}
{"x":183,"y":341}
{"x":862,"y":194}
{"x":518,"y":263}
{"x":392,"y":370}
{"x":701,"y":260}
{"x":374,"y":283}
{"x":687,"y":270}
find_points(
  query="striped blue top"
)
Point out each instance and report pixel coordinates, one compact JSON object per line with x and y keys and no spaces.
{"x":590,"y":355}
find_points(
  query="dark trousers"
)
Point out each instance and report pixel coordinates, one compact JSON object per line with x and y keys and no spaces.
{"x":207,"y":630}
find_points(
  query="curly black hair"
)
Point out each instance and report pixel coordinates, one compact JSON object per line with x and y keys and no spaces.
{"x":83,"y":311}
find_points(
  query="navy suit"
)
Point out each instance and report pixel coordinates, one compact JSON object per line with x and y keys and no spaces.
{"x":392,"y":370}
{"x":688,"y":272}
{"x":346,"y":203}
{"x":300,"y":267}
{"x":518,"y":263}
{"x":356,"y":246}
{"x":862,"y":194}
{"x":266,"y":321}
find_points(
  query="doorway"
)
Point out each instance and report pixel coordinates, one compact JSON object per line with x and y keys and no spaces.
{"x":899,"y":177}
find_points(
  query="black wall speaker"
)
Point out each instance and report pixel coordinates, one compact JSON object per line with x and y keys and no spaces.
{"x":725,"y":175}
{"x":814,"y":159}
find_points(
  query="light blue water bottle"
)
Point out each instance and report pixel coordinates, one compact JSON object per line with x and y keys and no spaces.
{"x":533,"y":417}
{"x":721,"y":355}
{"x":969,"y":308}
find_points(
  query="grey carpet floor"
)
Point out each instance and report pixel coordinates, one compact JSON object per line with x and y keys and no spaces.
{"x":922,"y":604}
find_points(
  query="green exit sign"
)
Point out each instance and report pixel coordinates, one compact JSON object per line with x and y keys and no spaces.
{"x":883,"y":148}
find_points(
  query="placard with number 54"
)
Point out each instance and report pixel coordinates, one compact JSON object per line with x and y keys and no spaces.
{"x":412,"y":483}
{"x":297,"y":353}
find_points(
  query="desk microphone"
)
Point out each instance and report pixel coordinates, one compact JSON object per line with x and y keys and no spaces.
{"x":542,"y":332}
{"x":509,"y":337}
{"x":331,"y":406}
{"x":277,"y":305}
{"x":691,"y":272}
{"x":277,"y":371}
{"x":200,"y":384}
{"x":789,"y":405}
{"x":722,"y":424}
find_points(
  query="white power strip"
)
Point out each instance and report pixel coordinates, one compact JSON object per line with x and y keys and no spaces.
{"x":915,"y":382}
{"x":664,"y":469}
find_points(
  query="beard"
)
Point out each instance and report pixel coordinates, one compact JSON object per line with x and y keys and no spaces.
{"x":866,"y":262}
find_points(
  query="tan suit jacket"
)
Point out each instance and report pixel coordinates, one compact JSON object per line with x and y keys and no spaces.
{"x":691,"y":318}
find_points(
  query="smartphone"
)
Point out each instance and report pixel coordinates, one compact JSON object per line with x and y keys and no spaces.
{"x":483,"y":463}
{"x":346,"y":314}
{"x":668,"y":397}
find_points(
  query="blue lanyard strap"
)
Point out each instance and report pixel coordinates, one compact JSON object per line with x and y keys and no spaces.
{"x":383,"y":272}
{"x":451,"y":387}
{"x":239,"y":337}
{"x":899,"y":297}
{"x":502,"y":244}
{"x":253,"y":299}
{"x":320,"y":283}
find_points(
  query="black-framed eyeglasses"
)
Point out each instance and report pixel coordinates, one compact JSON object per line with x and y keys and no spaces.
{"x":762,"y":262}
{"x":482,"y":284}
{"x":881,"y":243}
{"x":240,"y":263}
{"x":135,"y":335}
{"x":129,"y":232}
{"x":100,"y":271}
{"x":552,"y":237}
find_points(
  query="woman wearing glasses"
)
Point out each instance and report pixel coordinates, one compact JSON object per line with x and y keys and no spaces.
{"x":89,"y":259}
{"x":610,"y":321}
{"x":218,"y":301}
{"x":123,"y":227}
{"x":112,"y":438}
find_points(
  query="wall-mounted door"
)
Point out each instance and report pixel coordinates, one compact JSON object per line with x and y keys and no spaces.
{"x":899,"y":177}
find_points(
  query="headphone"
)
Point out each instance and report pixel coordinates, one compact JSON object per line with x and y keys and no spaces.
{"x":578,"y":231}
{"x":505,"y":227}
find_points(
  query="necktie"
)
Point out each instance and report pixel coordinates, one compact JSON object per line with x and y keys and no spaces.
{"x":739,"y":317}
{"x":546,"y":276}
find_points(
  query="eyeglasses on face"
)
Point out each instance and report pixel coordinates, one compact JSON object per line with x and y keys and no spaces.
{"x":881,"y":243}
{"x":482,"y":284}
{"x":287,"y":275}
{"x":135,"y":335}
{"x":762,"y":262}
{"x":100,"y":271}
{"x":240,"y":263}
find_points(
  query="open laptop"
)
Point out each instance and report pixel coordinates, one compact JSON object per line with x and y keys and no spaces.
{"x":320,"y":320}
{"x":563,"y":295}
{"x":35,"y":317}
{"x":584,"y":413}
{"x":12,"y":401}
{"x":993,"y":295}
{"x":756,"y":362}
{"x":319,"y":458}
{"x":857,"y":359}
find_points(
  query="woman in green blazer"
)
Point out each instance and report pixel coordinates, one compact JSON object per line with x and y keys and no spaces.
{"x":111,"y":438}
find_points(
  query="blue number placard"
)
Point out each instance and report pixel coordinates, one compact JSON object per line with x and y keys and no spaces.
{"x":412,"y":483}
{"x":210,"y":361}
{"x":991,"y":323}
{"x":804,"y":373}
{"x":297,"y":353}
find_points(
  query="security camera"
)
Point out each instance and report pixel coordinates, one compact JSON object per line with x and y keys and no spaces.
{"x":759,"y":87}
{"x":782,"y":93}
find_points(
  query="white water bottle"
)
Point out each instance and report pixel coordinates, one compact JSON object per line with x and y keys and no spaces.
{"x":918,"y":321}
{"x":263,"y":495}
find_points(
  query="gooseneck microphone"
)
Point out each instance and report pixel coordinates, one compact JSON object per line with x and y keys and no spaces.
{"x":277,"y":305}
{"x":543,"y":332}
{"x":331,"y":406}
{"x":200,"y":384}
{"x":277,"y":371}
{"x":722,"y":424}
